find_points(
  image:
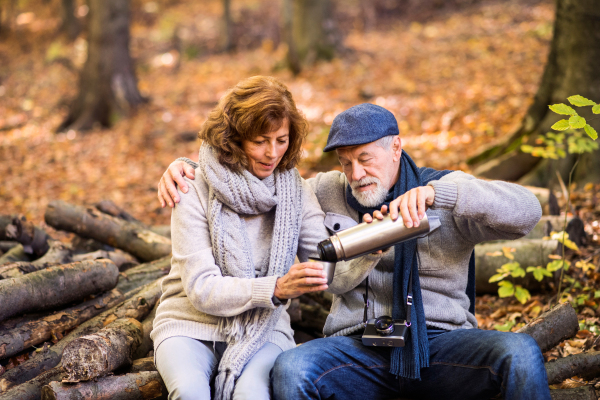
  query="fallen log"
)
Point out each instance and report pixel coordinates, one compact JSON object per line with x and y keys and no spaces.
{"x":5,"y":220}
{"x":32,"y":389}
{"x":56,"y":286}
{"x":146,"y":345}
{"x":89,"y":222}
{"x":144,"y":274}
{"x":528,"y":252}
{"x":547,"y":224}
{"x":138,"y":304}
{"x":110,"y":208}
{"x":33,"y":239}
{"x":140,"y":385}
{"x":579,"y":393}
{"x":15,"y":254}
{"x":16,"y":337}
{"x":121,"y":259}
{"x":553,"y":326}
{"x":584,"y":365}
{"x":6,"y":245}
{"x":142,"y":364}
{"x":96,"y":355}
{"x":58,"y":253}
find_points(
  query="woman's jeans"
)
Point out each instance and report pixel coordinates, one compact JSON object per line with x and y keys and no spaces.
{"x":187,"y":366}
{"x":464,"y":364}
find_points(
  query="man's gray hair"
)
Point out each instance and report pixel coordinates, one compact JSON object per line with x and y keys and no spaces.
{"x":385,"y":142}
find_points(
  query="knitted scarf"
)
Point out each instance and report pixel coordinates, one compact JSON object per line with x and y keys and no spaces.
{"x":231,"y":194}
{"x":406,"y":361}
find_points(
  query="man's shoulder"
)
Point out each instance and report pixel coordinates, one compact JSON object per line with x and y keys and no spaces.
{"x":325,"y":181}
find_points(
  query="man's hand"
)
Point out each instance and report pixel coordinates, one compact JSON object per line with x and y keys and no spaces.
{"x":411,"y":206}
{"x":301,"y":278}
{"x":173,"y":177}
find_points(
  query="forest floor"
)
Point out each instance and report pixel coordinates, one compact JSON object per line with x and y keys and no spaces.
{"x":458,"y":79}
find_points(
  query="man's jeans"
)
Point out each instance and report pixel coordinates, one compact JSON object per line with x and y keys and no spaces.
{"x":464,"y":364}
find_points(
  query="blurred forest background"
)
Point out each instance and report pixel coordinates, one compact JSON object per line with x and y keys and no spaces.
{"x":98,"y":97}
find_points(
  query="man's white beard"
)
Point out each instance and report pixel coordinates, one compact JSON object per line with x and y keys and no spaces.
{"x":369,"y":198}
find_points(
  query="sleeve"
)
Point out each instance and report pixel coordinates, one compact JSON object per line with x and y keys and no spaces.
{"x":188,"y":161}
{"x":350,"y":274}
{"x":206,"y":288}
{"x":487,"y":210}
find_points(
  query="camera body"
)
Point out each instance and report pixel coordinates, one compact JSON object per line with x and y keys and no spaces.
{"x":384,"y":332}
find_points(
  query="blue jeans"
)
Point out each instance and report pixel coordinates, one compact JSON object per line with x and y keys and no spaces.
{"x":464,"y":364}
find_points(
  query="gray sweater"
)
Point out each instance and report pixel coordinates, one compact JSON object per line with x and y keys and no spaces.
{"x":195,"y":294}
{"x":470,"y":211}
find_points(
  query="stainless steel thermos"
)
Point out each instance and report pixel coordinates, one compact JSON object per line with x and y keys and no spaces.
{"x":367,"y":238}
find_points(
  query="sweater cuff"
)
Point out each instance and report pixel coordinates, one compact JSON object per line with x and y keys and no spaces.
{"x":262,"y":291}
{"x":188,"y":161}
{"x":446,"y":194}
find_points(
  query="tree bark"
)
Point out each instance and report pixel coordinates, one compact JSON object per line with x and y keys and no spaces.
{"x":121,"y":259}
{"x":580,"y":393}
{"x":146,"y":345}
{"x":109,"y":207}
{"x":56,"y":286}
{"x":31,"y":390}
{"x":553,"y":326}
{"x":107,"y":83}
{"x":144,"y":274}
{"x":70,"y":24}
{"x":96,"y":355}
{"x":529,"y":252}
{"x":58,"y":253}
{"x":140,"y":385}
{"x":308,"y":31}
{"x":571,"y":69}
{"x":89,"y":222}
{"x":584,"y":365}
{"x":33,"y":239}
{"x":15,"y":338}
{"x":142,"y":364}
{"x":15,"y":254}
{"x":138,"y":304}
{"x":227,"y":26}
{"x":6,"y":245}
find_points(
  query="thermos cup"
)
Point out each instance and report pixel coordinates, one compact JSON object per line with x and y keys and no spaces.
{"x":328,"y":268}
{"x":367,"y":238}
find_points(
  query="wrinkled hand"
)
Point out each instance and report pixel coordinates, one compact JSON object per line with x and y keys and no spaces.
{"x":411,"y":206}
{"x":301,"y":278}
{"x":173,"y":177}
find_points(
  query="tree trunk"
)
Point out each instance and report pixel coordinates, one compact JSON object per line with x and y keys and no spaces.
{"x":107,"y":83}
{"x":579,"y":393}
{"x":584,"y":365}
{"x":15,"y":338}
{"x":227,"y":26}
{"x":533,"y":252}
{"x":56,"y":286}
{"x":31,"y":390}
{"x":553,"y":326}
{"x":138,"y":305}
{"x":70,"y":24}
{"x":89,"y":222}
{"x":140,"y":385}
{"x":144,"y":274}
{"x":309,"y":32}
{"x":571,"y":69}
{"x":96,"y":355}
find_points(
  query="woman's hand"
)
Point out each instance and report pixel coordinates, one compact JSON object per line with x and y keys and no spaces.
{"x":173,"y":177}
{"x":301,"y":278}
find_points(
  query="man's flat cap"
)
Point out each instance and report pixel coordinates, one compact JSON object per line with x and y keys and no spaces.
{"x":364,"y":123}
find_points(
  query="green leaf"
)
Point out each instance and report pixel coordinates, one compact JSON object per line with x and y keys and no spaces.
{"x":506,"y":327}
{"x":522,"y":294}
{"x":591,"y":132}
{"x":596,"y":109}
{"x":597,"y":294}
{"x":509,"y":267}
{"x":577,"y":122}
{"x":561,"y":125}
{"x":497,"y":277}
{"x":527,"y":148}
{"x":562,"y":109}
{"x":539,"y":272}
{"x":506,"y":289}
{"x":580,"y":101}
{"x":518,"y":272}
{"x":555,"y":265}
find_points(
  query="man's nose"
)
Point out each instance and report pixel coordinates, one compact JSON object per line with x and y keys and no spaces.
{"x":358,"y":172}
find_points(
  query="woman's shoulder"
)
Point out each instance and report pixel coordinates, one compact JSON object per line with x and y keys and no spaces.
{"x":197,"y":189}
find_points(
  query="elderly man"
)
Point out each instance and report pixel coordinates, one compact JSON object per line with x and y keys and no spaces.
{"x":445,"y":355}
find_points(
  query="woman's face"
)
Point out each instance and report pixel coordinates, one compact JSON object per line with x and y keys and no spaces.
{"x":265,"y":151}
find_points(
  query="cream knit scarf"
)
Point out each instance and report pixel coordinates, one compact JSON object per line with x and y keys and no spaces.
{"x":231,"y":194}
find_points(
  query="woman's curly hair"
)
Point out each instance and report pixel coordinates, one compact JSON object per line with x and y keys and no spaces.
{"x":256,"y":105}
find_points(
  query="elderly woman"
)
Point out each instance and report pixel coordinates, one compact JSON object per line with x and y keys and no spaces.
{"x":235,"y":235}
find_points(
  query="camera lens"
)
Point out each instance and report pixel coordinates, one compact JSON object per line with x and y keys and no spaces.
{"x":384,"y":325}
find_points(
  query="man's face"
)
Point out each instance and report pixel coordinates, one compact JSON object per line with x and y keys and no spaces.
{"x":371,"y":170}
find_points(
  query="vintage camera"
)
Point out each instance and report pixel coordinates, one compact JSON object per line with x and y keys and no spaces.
{"x":384,"y":332}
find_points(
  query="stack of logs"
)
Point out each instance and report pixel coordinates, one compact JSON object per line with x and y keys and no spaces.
{"x":80,"y":313}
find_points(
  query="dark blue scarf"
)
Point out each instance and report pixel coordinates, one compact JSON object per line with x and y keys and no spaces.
{"x":407,"y":361}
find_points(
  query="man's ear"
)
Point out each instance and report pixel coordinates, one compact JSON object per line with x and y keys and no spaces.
{"x":397,"y":148}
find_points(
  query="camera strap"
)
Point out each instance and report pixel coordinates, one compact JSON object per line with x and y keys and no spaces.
{"x":409,"y":299}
